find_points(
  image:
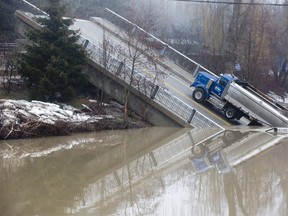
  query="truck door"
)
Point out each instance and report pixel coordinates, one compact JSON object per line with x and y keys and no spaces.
{"x":219,"y":86}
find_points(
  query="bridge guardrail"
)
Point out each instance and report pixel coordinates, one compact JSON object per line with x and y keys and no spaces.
{"x":146,"y":87}
{"x":165,"y":49}
{"x":29,"y":7}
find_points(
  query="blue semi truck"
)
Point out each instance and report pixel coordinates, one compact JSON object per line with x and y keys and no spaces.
{"x":236,"y":99}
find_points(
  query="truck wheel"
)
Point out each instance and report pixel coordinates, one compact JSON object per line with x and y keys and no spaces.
{"x":198,"y":151}
{"x":198,"y":95}
{"x":231,"y":113}
{"x":229,"y":136}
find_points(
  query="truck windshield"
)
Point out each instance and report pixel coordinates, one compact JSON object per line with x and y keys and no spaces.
{"x":223,"y":82}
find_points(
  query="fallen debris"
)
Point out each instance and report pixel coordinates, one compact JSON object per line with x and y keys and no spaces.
{"x":23,"y":119}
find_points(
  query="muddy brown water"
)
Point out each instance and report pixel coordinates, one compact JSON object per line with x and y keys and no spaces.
{"x":151,"y":171}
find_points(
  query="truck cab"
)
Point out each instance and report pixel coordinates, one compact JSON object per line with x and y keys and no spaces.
{"x":212,"y":89}
{"x":206,"y":84}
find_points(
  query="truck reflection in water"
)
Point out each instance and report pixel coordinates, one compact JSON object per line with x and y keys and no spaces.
{"x":231,"y":147}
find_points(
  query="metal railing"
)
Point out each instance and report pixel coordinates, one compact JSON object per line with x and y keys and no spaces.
{"x":165,"y":49}
{"x":29,"y":7}
{"x":147,"y":87}
{"x":8,"y":46}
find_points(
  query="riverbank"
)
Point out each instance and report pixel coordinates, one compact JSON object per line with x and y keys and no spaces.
{"x":27,"y":119}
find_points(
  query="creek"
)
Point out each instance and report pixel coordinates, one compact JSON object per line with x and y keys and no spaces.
{"x":149,"y":171}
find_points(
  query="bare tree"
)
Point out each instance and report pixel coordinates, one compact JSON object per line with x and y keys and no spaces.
{"x":234,"y":33}
{"x":253,"y":49}
{"x":108,"y":51}
{"x":135,"y":60}
{"x":143,"y":13}
{"x":244,"y":40}
{"x":141,"y":69}
{"x":279,"y":44}
{"x":9,"y":61}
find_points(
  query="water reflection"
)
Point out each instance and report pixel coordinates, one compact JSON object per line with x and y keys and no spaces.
{"x":146,"y":172}
{"x":230,"y":147}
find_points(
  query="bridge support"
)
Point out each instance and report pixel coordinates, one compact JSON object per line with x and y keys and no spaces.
{"x":196,"y":71}
{"x":154,"y":92}
{"x":162,"y":53}
{"x":85,"y":44}
{"x":191,"y":116}
{"x":143,"y":106}
{"x":119,"y":69}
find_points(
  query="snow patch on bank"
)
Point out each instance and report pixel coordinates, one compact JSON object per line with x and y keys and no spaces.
{"x":14,"y":111}
{"x":279,"y":99}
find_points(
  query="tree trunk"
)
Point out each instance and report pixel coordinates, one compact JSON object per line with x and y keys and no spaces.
{"x":233,"y":33}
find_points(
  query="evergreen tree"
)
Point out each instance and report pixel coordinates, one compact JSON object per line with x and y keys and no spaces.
{"x":53,"y":64}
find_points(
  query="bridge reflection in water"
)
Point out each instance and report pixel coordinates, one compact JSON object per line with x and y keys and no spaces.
{"x":153,"y":171}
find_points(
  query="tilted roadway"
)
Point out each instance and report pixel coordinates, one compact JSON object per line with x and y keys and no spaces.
{"x":177,"y":81}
